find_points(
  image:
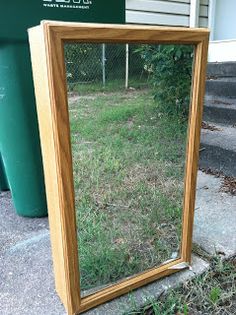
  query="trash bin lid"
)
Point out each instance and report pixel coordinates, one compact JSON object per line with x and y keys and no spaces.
{"x":16,"y":16}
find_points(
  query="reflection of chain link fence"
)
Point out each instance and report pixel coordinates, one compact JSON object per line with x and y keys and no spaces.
{"x":104,"y":65}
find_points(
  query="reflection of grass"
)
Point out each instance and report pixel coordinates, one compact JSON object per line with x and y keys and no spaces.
{"x":110,"y":86}
{"x":128,"y":170}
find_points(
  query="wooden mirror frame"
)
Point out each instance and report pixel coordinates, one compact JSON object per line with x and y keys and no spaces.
{"x":47,"y":53}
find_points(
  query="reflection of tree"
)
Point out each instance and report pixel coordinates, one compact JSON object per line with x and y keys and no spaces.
{"x":170,"y":67}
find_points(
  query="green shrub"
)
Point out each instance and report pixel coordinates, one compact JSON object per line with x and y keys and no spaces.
{"x":170,"y":70}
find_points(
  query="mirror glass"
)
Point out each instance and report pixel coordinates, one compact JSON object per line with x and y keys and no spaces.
{"x":128,"y":108}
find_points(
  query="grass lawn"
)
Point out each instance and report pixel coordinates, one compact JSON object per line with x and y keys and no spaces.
{"x":213,"y":293}
{"x":111,"y":86}
{"x":128,"y":163}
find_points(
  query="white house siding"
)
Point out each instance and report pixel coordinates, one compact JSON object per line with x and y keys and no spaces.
{"x":203,"y":14}
{"x":164,"y":12}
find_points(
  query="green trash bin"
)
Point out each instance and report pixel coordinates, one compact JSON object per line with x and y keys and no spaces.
{"x":19,"y":141}
{"x":19,"y":138}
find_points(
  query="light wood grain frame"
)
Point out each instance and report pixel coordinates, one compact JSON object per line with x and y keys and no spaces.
{"x":47,"y":53}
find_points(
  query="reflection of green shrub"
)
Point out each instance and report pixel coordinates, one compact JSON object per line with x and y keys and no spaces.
{"x":170,"y":68}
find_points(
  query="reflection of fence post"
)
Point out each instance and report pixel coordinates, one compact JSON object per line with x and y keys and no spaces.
{"x":103,"y":64}
{"x":127,"y":67}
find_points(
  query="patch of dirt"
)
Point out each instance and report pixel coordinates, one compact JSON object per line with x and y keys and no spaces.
{"x":228,"y":183}
{"x":212,"y":77}
{"x":209,"y":171}
{"x":76,"y":97}
{"x":221,"y":102}
{"x":130,"y":123}
{"x":127,"y":94}
{"x":153,"y":177}
{"x":209,"y":127}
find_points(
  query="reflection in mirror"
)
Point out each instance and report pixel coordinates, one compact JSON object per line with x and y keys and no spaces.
{"x":128,"y":107}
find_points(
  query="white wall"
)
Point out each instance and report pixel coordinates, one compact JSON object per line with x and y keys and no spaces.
{"x":222,"y":51}
{"x":225,"y":20}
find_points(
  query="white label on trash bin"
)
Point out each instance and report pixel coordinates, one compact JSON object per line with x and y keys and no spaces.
{"x":68,"y":4}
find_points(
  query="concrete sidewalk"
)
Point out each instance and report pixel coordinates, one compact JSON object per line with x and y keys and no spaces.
{"x":215,"y":218}
{"x":26,"y":278}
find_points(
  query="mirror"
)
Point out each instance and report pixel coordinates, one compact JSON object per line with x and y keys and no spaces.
{"x":128,"y":109}
{"x":120,"y":192}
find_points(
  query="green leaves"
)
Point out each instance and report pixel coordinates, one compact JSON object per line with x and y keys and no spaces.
{"x":170,"y":67}
{"x":215,"y":294}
